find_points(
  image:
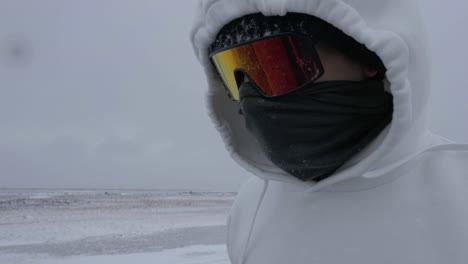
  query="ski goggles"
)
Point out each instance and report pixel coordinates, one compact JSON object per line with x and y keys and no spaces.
{"x":276,"y":65}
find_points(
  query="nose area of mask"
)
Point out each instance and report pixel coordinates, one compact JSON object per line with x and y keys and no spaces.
{"x":248,"y":89}
{"x":249,"y":98}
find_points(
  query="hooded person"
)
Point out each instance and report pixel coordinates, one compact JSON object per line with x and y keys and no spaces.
{"x":345,"y":171}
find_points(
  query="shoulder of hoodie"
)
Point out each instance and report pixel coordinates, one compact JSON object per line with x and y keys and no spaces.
{"x":241,"y":211}
{"x":248,"y":193}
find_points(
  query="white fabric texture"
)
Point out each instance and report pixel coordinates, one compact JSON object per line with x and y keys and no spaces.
{"x":403,"y":199}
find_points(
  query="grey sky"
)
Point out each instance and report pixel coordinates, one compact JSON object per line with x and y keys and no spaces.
{"x":91,"y":95}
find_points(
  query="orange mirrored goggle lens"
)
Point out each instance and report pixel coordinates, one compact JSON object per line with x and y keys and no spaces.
{"x":277,"y":65}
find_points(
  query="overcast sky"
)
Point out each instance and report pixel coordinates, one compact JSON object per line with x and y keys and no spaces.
{"x":108,"y":94}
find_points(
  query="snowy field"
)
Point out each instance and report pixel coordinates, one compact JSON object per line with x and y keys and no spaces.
{"x":52,"y":227}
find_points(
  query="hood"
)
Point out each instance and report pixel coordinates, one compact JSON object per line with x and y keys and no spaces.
{"x":392,"y":29}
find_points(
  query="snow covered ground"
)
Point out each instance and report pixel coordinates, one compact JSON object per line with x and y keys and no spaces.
{"x":87,"y":227}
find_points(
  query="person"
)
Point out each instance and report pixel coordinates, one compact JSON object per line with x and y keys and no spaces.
{"x":325,"y":103}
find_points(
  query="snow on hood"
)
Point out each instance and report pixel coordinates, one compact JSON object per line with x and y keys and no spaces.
{"x":392,"y":29}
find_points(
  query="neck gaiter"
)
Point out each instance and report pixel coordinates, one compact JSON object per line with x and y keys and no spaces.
{"x":313,"y":131}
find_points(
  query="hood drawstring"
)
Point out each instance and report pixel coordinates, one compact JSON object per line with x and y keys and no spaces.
{"x":265,"y":187}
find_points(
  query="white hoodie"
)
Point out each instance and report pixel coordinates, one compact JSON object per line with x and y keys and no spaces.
{"x":403,"y":199}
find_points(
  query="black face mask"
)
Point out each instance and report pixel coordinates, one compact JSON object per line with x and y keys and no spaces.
{"x":313,"y":131}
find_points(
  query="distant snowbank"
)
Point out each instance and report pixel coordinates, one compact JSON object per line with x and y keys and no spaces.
{"x":87,"y":226}
{"x":200,"y":254}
